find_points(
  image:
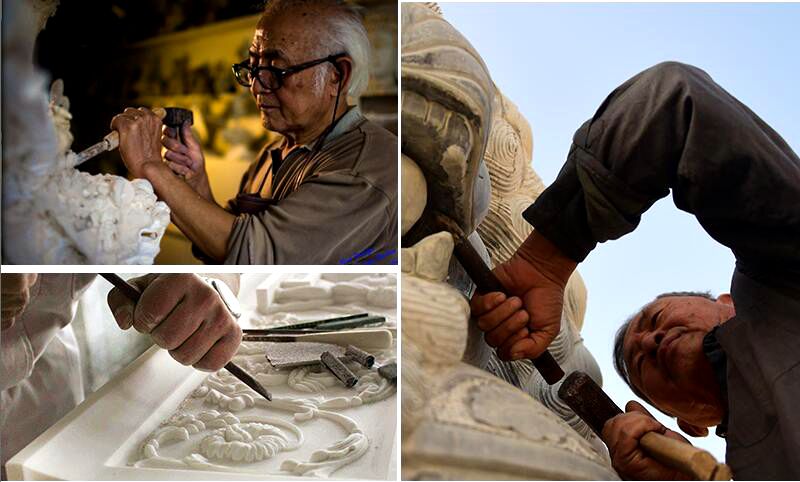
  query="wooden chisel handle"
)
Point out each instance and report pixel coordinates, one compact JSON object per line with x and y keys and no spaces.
{"x":486,"y":282}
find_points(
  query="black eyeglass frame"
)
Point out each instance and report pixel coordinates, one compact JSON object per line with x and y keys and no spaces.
{"x":277,"y":73}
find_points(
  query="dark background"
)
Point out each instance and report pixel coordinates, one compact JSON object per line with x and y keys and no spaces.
{"x":86,"y":43}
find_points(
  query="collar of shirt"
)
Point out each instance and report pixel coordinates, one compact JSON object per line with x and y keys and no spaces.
{"x":344,"y":124}
{"x":719,"y":362}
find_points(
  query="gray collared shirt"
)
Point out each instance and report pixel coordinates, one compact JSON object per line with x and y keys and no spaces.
{"x":330,"y":205}
{"x":344,"y":124}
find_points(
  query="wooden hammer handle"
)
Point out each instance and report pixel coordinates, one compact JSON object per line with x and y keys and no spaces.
{"x":684,"y":457}
{"x":595,"y":407}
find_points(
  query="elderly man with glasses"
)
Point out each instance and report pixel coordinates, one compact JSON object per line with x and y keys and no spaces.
{"x":327,"y":193}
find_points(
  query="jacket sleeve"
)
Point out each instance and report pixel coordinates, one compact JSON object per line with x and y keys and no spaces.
{"x":671,"y":128}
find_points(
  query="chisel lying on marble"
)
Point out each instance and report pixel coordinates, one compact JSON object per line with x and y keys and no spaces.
{"x":365,"y":338}
{"x":578,"y":390}
{"x":133,"y":294}
{"x":319,"y":326}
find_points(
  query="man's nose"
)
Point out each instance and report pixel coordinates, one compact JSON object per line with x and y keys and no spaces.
{"x":651,"y":340}
{"x":256,"y":88}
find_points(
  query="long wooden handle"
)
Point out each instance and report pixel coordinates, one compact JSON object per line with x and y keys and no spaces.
{"x":684,"y":457}
{"x":585,"y":397}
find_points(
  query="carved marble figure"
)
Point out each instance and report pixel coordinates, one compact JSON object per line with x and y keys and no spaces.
{"x":53,"y":213}
{"x":460,"y":422}
{"x":449,"y":98}
{"x":313,"y":427}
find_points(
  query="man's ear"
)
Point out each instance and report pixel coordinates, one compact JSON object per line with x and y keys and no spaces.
{"x":725,"y":299}
{"x":692,"y":430}
{"x":342,"y":72}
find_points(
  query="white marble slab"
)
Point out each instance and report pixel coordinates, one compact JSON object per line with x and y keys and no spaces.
{"x":106,"y":436}
{"x":273,"y":300}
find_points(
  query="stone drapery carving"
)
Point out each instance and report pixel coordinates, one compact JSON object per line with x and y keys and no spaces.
{"x":515,"y":185}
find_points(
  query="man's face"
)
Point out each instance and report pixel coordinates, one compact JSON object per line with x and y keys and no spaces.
{"x":663,"y":350}
{"x":303,"y":103}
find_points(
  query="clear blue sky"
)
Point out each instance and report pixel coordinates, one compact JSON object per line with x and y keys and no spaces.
{"x":558,"y":62}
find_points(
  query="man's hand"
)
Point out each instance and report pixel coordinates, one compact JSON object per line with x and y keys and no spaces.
{"x":622,"y":433}
{"x":15,"y":290}
{"x":535,"y":278}
{"x":139,"y":133}
{"x":186,"y":159}
{"x":183,"y":315}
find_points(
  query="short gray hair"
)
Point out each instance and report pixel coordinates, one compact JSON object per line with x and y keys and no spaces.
{"x":619,"y":356}
{"x":343,"y":31}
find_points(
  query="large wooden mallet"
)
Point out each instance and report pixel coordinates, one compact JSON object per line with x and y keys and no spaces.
{"x":578,"y":390}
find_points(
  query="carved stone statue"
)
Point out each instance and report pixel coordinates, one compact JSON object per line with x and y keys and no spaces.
{"x":459,"y":421}
{"x":53,"y":213}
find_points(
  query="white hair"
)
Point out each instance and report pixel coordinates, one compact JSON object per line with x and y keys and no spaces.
{"x":343,"y":31}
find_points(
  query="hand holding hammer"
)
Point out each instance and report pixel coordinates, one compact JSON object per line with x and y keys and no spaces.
{"x":577,"y":389}
{"x":138,"y":134}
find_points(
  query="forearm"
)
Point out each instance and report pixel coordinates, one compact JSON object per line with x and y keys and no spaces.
{"x":204,"y":189}
{"x":202,"y":221}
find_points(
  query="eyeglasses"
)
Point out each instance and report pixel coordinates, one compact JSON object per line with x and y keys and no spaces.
{"x":271,"y":77}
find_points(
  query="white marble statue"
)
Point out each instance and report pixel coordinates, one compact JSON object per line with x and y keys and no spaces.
{"x":460,"y":422}
{"x":515,"y":185}
{"x":53,"y":213}
{"x":444,"y":80}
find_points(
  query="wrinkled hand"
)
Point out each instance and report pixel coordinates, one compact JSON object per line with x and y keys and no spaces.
{"x":622,"y":433}
{"x":139,"y":138}
{"x":186,"y":158}
{"x":15,"y":289}
{"x":524,"y":323}
{"x":183,"y":315}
